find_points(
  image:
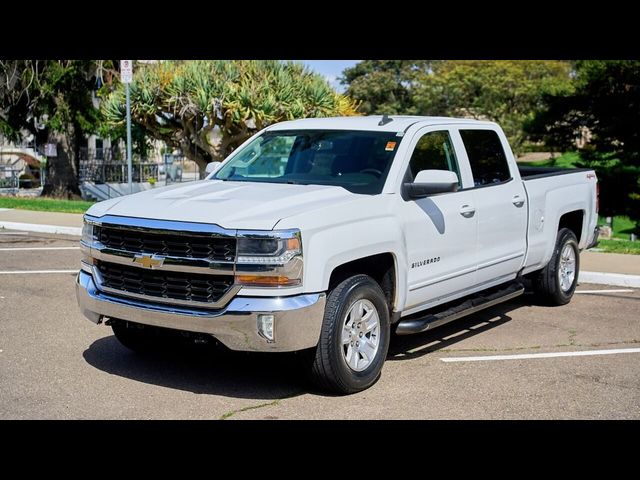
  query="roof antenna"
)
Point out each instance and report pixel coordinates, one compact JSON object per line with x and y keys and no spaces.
{"x":385,"y":119}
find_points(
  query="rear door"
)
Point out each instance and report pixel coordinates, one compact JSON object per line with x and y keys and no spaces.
{"x":440,"y":230}
{"x":500,"y":200}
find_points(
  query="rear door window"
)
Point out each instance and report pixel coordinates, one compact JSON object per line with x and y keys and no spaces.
{"x":486,"y":156}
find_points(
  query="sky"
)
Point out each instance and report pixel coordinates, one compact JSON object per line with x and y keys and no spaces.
{"x":331,"y":69}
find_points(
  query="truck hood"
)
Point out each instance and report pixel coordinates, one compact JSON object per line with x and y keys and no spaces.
{"x":241,"y":205}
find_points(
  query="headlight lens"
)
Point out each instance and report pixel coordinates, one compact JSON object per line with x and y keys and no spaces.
{"x":269,"y":259}
{"x":87,"y":233}
{"x":268,"y":250}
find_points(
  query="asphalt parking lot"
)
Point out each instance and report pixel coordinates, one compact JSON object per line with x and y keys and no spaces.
{"x":55,"y":364}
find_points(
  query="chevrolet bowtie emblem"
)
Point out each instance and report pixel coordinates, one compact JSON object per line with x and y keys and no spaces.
{"x":148,"y":261}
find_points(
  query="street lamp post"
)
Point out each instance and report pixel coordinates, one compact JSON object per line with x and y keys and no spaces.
{"x":126,"y":85}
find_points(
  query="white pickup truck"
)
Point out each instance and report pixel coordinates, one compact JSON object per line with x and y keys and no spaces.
{"x":328,"y":235}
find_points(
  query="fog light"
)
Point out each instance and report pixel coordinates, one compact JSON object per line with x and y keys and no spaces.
{"x":266,"y":326}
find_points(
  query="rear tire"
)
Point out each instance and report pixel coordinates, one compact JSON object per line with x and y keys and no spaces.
{"x":556,"y":283}
{"x":354,"y":339}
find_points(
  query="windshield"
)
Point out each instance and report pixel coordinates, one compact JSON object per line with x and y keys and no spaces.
{"x":359,"y":161}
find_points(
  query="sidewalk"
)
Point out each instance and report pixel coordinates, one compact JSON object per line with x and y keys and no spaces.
{"x":610,"y":269}
{"x":610,"y":262}
{"x":595,"y":267}
{"x":42,"y":222}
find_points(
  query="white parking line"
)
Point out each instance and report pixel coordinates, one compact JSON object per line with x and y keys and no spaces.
{"x":524,"y":356}
{"x":20,"y":272}
{"x":25,"y":249}
{"x":620,"y":290}
{"x":14,"y":233}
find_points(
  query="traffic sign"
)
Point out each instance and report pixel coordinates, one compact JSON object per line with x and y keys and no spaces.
{"x":126,"y":71}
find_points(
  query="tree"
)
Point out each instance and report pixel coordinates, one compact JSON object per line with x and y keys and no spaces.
{"x":385,"y":86}
{"x":51,"y":99}
{"x":508,"y":92}
{"x":605,"y":105}
{"x":208,"y":108}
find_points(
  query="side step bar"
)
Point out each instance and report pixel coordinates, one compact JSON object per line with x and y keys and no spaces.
{"x":472,"y":305}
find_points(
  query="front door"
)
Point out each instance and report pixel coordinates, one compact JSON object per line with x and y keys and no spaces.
{"x":441,"y":229}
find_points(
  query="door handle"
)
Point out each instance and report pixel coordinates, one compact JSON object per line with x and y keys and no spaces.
{"x":467,"y":211}
{"x":518,"y":201}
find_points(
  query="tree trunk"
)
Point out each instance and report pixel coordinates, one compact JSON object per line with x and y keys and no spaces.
{"x":200,"y":157}
{"x":200,"y":160}
{"x":61,"y":180}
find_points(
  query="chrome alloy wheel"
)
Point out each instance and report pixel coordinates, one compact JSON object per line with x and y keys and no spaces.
{"x":567,"y":268}
{"x":360,"y":335}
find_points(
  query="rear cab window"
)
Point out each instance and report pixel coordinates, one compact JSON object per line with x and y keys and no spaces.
{"x":486,"y":155}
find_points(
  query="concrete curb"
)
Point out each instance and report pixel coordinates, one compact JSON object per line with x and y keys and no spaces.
{"x":34,"y":227}
{"x":615,"y":279}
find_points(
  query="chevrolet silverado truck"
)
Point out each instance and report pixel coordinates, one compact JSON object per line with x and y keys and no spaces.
{"x":328,"y":235}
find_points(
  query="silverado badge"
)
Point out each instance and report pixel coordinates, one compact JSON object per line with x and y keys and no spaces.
{"x":148,"y":261}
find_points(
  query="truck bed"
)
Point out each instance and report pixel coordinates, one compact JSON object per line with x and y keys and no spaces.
{"x":552,"y":192}
{"x":531,"y":173}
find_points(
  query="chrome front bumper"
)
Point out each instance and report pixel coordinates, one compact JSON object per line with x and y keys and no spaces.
{"x":298,"y":319}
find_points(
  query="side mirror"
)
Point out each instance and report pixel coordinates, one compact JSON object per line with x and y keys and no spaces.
{"x":212,"y":167}
{"x":431,"y":182}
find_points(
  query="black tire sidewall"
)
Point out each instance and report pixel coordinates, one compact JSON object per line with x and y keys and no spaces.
{"x":365,"y":288}
{"x":565,"y":237}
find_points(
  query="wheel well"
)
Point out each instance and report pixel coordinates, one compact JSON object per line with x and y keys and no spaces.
{"x":572,"y":221}
{"x":380,"y":267}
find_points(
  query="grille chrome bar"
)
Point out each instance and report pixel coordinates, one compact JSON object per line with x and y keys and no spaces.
{"x":149,"y":241}
{"x":175,"y":264}
{"x":160,"y":226}
{"x":219,"y":303}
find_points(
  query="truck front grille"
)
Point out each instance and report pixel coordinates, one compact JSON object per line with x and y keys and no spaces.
{"x":179,"y":244}
{"x":164,"y":284}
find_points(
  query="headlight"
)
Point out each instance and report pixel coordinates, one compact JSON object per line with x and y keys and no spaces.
{"x":269,"y":259}
{"x":86,"y":241}
{"x":268,"y":250}
{"x":87,"y":233}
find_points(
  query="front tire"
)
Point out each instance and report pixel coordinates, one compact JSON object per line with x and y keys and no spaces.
{"x":556,"y":283}
{"x":354,"y":339}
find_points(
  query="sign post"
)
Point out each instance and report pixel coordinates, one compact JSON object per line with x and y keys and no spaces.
{"x":126,"y":77}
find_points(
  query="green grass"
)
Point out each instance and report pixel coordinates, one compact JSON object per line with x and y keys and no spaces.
{"x":566,"y":160}
{"x":620,"y":243}
{"x":622,"y":226}
{"x":45,"y":204}
{"x":619,"y":246}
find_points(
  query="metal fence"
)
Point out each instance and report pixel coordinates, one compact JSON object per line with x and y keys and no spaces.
{"x":116,"y":172}
{"x":9,"y":178}
{"x":109,"y":165}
